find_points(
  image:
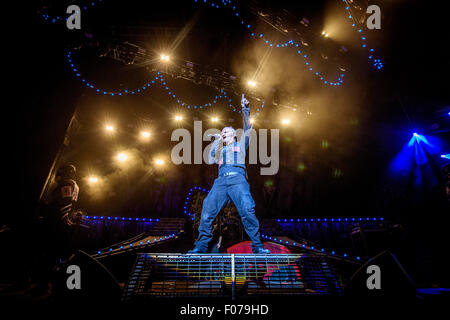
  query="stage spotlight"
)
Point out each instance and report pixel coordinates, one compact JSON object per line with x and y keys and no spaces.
{"x":214,"y":119}
{"x":285,"y":121}
{"x":122,"y":157}
{"x":178,"y":118}
{"x":445,"y":156}
{"x":252,"y":120}
{"x":145,"y":134}
{"x":109,"y":128}
{"x":159,"y":162}
{"x":251,"y":83}
{"x":165,"y":58}
{"x":325,"y":34}
{"x":416,"y":135}
{"x":93,"y":180}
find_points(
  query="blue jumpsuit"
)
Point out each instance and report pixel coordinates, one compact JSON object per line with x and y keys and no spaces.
{"x":230,"y":184}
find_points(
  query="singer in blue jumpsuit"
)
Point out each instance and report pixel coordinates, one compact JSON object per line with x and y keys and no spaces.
{"x":231,"y":184}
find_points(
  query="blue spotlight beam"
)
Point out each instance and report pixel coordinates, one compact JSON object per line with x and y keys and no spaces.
{"x":416,"y":160}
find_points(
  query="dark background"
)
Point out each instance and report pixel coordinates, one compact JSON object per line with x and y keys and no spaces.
{"x":366,"y":121}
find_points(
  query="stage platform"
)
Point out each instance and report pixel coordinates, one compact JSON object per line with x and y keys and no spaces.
{"x":157,"y":275}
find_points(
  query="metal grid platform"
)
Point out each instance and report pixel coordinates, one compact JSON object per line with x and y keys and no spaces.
{"x":229,"y":275}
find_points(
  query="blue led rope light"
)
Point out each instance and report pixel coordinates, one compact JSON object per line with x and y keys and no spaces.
{"x":186,"y":202}
{"x":348,"y":219}
{"x":192,"y":215}
{"x":139,"y":245}
{"x":121,"y":219}
{"x":308,"y":247}
{"x":221,"y":96}
{"x":91,"y":85}
{"x":270,"y":43}
{"x":376,"y":62}
{"x":252,"y":33}
{"x":56,"y":19}
{"x":287,"y":220}
{"x":159,"y":77}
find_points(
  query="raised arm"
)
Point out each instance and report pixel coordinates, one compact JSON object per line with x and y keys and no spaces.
{"x":245,"y":139}
{"x":246,"y":113}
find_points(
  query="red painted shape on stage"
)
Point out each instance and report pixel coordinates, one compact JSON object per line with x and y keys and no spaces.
{"x":267,"y":271}
{"x":245,"y":247}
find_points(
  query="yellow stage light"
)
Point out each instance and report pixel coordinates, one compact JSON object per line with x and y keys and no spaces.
{"x":165,"y":58}
{"x":285,"y":121}
{"x":214,"y":119}
{"x":122,"y":157}
{"x":159,"y":162}
{"x":178,"y":118}
{"x":93,"y":179}
{"x":109,"y":128}
{"x":145,"y":134}
{"x":251,"y":83}
{"x":252,"y":120}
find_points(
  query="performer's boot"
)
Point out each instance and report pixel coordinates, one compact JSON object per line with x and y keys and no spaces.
{"x":196,"y":250}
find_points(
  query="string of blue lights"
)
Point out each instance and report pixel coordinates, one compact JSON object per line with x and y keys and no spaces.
{"x":58,"y":19}
{"x":159,"y":77}
{"x":98,"y":90}
{"x":147,"y":220}
{"x":376,"y":61}
{"x":185,"y":210}
{"x":270,"y":43}
{"x":139,"y":245}
{"x":289,"y":220}
{"x":283,"y":220}
{"x":267,"y":237}
{"x":226,"y":3}
{"x":222,"y":96}
{"x":188,"y":198}
{"x":308,"y":247}
{"x":351,"y":219}
{"x":106,"y":218}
